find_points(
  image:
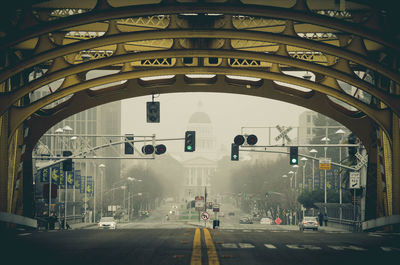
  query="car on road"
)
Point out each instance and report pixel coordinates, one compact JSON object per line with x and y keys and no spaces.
{"x":231,"y":214}
{"x":245,"y":220}
{"x":107,"y":223}
{"x":309,"y":222}
{"x":266,"y":221}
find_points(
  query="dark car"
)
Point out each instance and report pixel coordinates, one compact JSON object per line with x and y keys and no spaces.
{"x":245,"y":220}
{"x":231,"y":214}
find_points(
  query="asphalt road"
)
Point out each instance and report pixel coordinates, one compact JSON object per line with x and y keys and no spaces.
{"x":155,"y":241}
{"x":178,"y":246}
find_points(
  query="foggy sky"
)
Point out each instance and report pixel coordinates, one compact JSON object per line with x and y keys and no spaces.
{"x":228,"y":113}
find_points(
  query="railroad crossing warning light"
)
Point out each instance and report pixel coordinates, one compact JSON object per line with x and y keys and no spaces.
{"x":153,"y":112}
{"x":129,"y":144}
{"x":251,"y":139}
{"x":235,"y":152}
{"x":294,"y":155}
{"x":190,"y":141}
{"x":239,"y":139}
{"x":67,"y":164}
{"x":160,"y":149}
{"x":148,"y":149}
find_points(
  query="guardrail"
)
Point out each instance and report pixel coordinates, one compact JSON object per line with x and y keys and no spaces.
{"x":18,"y":220}
{"x":350,"y":225}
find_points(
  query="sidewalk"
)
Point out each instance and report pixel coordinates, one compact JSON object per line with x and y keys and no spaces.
{"x":82,"y":225}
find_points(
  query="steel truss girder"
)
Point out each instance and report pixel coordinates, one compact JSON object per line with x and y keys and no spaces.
{"x":391,"y":102}
{"x":228,"y":9}
{"x":198,"y":33}
{"x":362,"y":125}
{"x":19,"y":114}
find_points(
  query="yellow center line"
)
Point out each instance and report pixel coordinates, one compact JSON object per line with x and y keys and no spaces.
{"x":211,"y":251}
{"x":196,"y":254}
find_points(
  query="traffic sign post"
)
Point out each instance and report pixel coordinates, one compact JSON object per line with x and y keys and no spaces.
{"x":354,"y":180}
{"x":324,"y":164}
{"x":205,"y":216}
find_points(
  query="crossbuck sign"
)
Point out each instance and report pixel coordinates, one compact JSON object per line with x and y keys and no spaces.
{"x":283,"y":133}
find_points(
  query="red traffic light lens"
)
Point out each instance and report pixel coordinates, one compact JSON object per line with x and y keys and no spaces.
{"x":160,"y":149}
{"x":238,"y":140}
{"x":148,"y":149}
{"x":252,"y":139}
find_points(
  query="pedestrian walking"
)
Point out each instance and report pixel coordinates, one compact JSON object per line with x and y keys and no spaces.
{"x":320,"y":218}
{"x":326,"y":219}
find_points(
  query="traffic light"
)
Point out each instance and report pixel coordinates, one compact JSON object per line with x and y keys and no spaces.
{"x":190,"y":141}
{"x":238,"y":140}
{"x":352,"y":139}
{"x":129,"y":144}
{"x":251,"y":139}
{"x":294,"y":155}
{"x":153,"y":112}
{"x":160,"y":149}
{"x":67,"y":164}
{"x":235,"y":152}
{"x":148,"y":149}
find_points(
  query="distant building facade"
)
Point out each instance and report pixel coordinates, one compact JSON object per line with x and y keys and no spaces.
{"x":306,"y":124}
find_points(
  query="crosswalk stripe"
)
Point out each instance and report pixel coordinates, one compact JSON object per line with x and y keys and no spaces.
{"x":229,"y":245}
{"x":246,"y":245}
{"x":347,"y":247}
{"x":269,"y":246}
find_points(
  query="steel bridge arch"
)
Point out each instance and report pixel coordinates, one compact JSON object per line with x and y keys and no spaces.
{"x":40,"y":43}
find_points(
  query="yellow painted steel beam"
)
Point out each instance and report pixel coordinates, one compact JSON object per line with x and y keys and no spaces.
{"x":361,"y":125}
{"x":19,"y":114}
{"x":392,"y":102}
{"x":221,"y":34}
{"x":228,"y":9}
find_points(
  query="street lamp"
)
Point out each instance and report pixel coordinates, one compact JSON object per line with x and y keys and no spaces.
{"x":291,"y":178}
{"x":341,"y":132}
{"x":102,"y":167}
{"x":304,"y":171}
{"x":313,"y":151}
{"x":326,"y":139}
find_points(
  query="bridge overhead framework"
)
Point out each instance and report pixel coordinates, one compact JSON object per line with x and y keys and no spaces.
{"x":348,"y":52}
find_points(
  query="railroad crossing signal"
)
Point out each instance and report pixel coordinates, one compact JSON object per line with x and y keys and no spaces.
{"x":250,"y":139}
{"x":148,"y":149}
{"x":160,"y":149}
{"x":283,"y":133}
{"x":294,"y":155}
{"x":190,"y":141}
{"x":235,"y":152}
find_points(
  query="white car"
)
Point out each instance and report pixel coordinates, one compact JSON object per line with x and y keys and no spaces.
{"x":107,"y":223}
{"x":266,"y":221}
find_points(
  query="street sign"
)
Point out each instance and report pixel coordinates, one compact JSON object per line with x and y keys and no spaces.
{"x":354,"y":180}
{"x":199,"y":203}
{"x":205,"y":216}
{"x":324,"y":164}
{"x":216,"y":208}
{"x":283,"y":133}
{"x":278,"y":221}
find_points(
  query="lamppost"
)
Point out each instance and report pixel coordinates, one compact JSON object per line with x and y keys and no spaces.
{"x":341,"y":132}
{"x":313,"y":151}
{"x":57,"y":149}
{"x":326,"y":139}
{"x":102,"y":167}
{"x":291,"y":178}
{"x":304,"y":172}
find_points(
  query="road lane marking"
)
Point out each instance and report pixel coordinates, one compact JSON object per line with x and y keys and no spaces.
{"x":390,"y":249}
{"x":311,"y":247}
{"x":246,"y":245}
{"x":229,"y":245}
{"x":196,"y":253}
{"x":269,"y":246}
{"x":347,"y":247}
{"x":211,"y":251}
{"x":25,"y":234}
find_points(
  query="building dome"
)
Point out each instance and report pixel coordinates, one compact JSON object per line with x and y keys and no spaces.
{"x":199,"y":117}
